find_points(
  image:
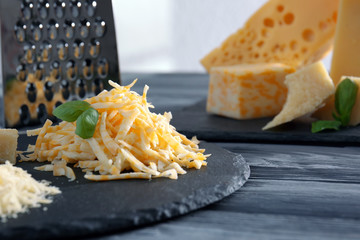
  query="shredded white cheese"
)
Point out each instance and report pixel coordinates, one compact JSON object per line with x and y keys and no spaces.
{"x":19,"y":191}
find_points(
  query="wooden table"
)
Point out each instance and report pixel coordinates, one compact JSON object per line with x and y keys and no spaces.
{"x":294,"y":191}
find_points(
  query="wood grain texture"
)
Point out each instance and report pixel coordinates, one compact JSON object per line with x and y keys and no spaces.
{"x":294,"y":192}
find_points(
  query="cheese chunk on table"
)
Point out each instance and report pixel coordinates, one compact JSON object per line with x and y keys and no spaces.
{"x":325,"y":113}
{"x":346,"y":57}
{"x":293,"y":32}
{"x":8,"y":145}
{"x":248,"y":90}
{"x":307,"y":90}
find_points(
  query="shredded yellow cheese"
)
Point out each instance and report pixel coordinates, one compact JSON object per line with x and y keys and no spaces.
{"x":19,"y":191}
{"x":129,"y":142}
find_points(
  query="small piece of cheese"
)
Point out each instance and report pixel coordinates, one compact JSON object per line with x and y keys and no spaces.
{"x":325,"y":113}
{"x":8,"y":145}
{"x":346,"y":57}
{"x":307,"y":89}
{"x":292,"y":32}
{"x":248,"y":90}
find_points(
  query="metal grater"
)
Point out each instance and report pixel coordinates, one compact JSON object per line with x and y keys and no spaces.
{"x":53,"y":51}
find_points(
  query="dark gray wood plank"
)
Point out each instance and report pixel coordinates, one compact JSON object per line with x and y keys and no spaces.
{"x":267,"y":209}
{"x":299,"y":198}
{"x":299,"y":162}
{"x":218,"y":225}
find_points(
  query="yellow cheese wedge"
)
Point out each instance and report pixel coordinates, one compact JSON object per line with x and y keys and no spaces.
{"x":307,"y":89}
{"x":293,"y":32}
{"x":325,"y":113}
{"x":247,"y":90}
{"x":346,"y":57}
{"x":8,"y":145}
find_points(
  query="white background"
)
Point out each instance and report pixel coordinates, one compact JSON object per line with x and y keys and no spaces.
{"x":173,"y":35}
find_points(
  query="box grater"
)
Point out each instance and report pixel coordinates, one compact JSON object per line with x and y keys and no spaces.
{"x":53,"y":51}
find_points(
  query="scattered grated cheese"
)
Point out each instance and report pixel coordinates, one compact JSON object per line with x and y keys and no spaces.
{"x":129,"y":142}
{"x":19,"y":191}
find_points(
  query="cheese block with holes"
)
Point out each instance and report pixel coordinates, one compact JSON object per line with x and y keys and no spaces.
{"x":308,"y":88}
{"x":325,"y":113}
{"x":248,"y":90}
{"x":292,"y":32}
{"x":8,"y":145}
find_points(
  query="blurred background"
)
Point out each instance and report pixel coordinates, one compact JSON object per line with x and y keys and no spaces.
{"x":173,"y":35}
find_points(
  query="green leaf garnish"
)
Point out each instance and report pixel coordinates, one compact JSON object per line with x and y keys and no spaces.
{"x":86,"y":123}
{"x":345,"y":98}
{"x":70,"y":111}
{"x":85,"y":116}
{"x":319,"y":126}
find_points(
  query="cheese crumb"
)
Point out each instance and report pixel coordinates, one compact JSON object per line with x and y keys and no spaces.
{"x":19,"y":191}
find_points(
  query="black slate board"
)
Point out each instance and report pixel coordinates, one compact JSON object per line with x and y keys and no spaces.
{"x":194,"y":120}
{"x":86,"y":208}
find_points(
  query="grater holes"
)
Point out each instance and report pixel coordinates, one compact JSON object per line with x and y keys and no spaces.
{"x":91,"y":7}
{"x":59,"y":8}
{"x":84,"y":28}
{"x":27,"y":8}
{"x":43,"y":8}
{"x":53,"y":29}
{"x":69,"y":28}
{"x":100,"y":27}
{"x":20,"y":31}
{"x":102,"y":68}
{"x":75,"y":8}
{"x":87,"y":69}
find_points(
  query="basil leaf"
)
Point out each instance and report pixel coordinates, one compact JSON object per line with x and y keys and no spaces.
{"x":86,"y":123}
{"x":70,"y":111}
{"x":345,"y":97}
{"x":319,"y":126}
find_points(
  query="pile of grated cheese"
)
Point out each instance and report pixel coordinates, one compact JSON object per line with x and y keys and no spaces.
{"x":129,"y":142}
{"x":19,"y":191}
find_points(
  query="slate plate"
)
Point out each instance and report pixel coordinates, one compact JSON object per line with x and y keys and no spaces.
{"x":194,"y":120}
{"x":86,"y":208}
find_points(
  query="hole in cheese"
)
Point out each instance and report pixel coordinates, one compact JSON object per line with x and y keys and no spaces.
{"x":308,"y":35}
{"x":268,"y":22}
{"x":260,"y":43}
{"x":289,"y":18}
{"x":334,"y":16}
{"x":280,"y":8}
